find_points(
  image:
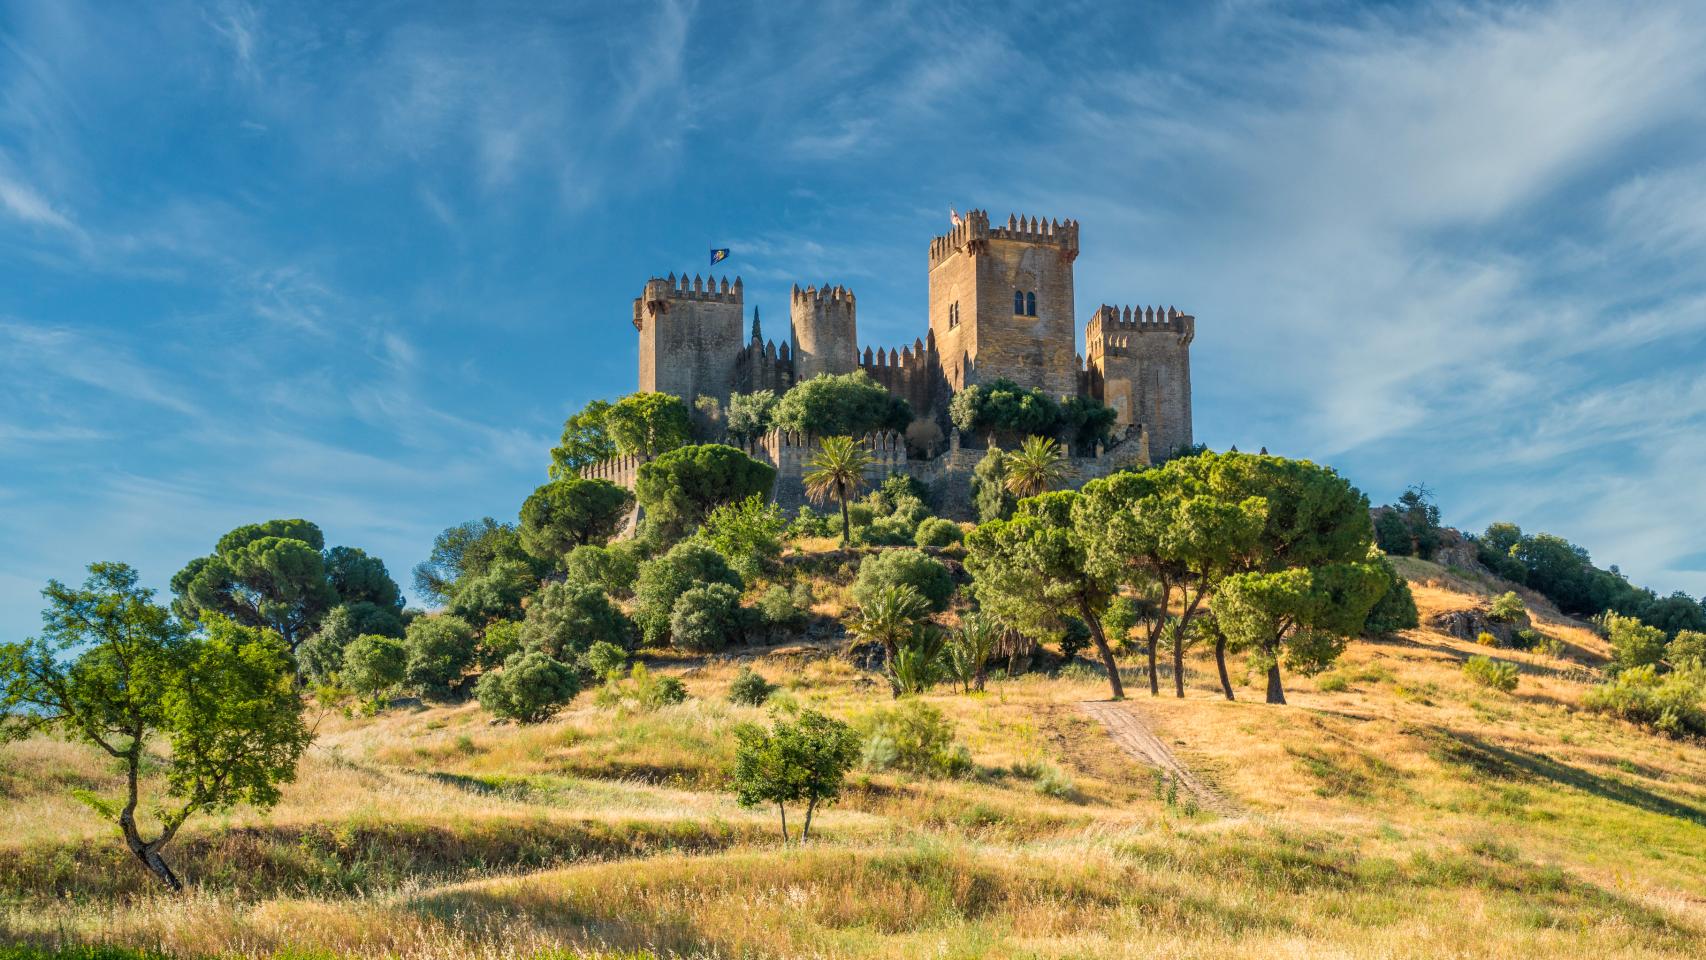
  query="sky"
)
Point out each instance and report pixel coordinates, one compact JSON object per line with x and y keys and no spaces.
{"x":357,"y":262}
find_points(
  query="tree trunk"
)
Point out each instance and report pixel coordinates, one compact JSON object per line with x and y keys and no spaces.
{"x":1220,"y":664}
{"x":1095,"y":624}
{"x":1154,"y":675}
{"x":1179,"y":661}
{"x":846,"y":524}
{"x":1276,"y":693}
{"x":806,"y":834}
{"x":148,"y":854}
{"x":783,"y":809}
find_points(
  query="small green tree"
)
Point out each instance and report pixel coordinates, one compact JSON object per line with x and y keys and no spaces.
{"x":938,"y":532}
{"x":565,"y":620}
{"x":969,"y":649}
{"x":441,"y":649}
{"x":494,"y":594}
{"x":747,"y":534}
{"x":572,"y":512}
{"x":850,"y":404}
{"x":1303,"y":614}
{"x":466,"y":550}
{"x":531,"y":688}
{"x":586,"y":441}
{"x":837,"y":470}
{"x":664,"y":579}
{"x":750,"y":415}
{"x":116,"y":671}
{"x":1507,"y":608}
{"x":706,"y":618}
{"x":648,"y":425}
{"x":612,"y":569}
{"x":905,"y":567}
{"x":605,"y":659}
{"x":1687,"y":649}
{"x":1396,"y":608}
{"x":322,"y":654}
{"x":889,"y":616}
{"x":679,"y":488}
{"x":750,"y":688}
{"x":989,"y":493}
{"x":374,"y":664}
{"x":802,"y":760}
{"x":1633,"y":643}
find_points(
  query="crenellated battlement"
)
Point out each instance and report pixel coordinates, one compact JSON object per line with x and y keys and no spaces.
{"x":974,"y":232}
{"x":1111,"y":326}
{"x":822,"y":295}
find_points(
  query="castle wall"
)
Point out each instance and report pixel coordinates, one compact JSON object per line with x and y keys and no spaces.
{"x":690,"y":336}
{"x":761,"y":366}
{"x":825,"y":331}
{"x":913,"y":373}
{"x":1140,"y":365}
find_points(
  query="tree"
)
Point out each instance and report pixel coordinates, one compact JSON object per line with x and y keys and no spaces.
{"x":572,"y":512}
{"x":531,"y":688}
{"x":466,"y":550}
{"x":494,"y":594}
{"x":1005,"y":408}
{"x":1031,"y":573}
{"x":1036,"y":468}
{"x":989,"y":493}
{"x":750,"y":415}
{"x":611,"y":569}
{"x":118,"y":672}
{"x":889,"y":616}
{"x":374,"y":663}
{"x":1302,"y":613}
{"x":1396,"y":608}
{"x":1086,"y":421}
{"x":586,"y":441}
{"x":969,"y":649}
{"x":747,"y":534}
{"x":441,"y":649}
{"x":837,"y":470}
{"x":664,"y":579}
{"x":322,"y":655}
{"x":803,"y":760}
{"x":566,"y":619}
{"x":705,"y":618}
{"x":357,"y":577}
{"x":679,"y":488}
{"x":1633,"y":643}
{"x":908,"y":567}
{"x":648,"y":425}
{"x":848,"y":404}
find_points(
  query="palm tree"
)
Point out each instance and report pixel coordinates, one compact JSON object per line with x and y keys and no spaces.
{"x":1036,"y":467}
{"x":837,"y":468}
{"x":890,"y":617}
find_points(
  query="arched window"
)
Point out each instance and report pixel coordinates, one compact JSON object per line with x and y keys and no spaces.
{"x":1031,"y":304}
{"x":1019,"y":302}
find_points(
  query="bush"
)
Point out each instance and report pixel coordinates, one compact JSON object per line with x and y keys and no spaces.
{"x":373,"y":663}
{"x":495,"y":594}
{"x":1074,"y":637}
{"x":1486,"y":639}
{"x":1507,"y":607}
{"x":844,"y":405}
{"x":920,"y":663}
{"x":679,"y":489}
{"x":809,"y":523}
{"x":605,"y":659}
{"x":750,"y":688}
{"x":322,"y":654}
{"x":913,"y":568}
{"x":569,"y":512}
{"x":1396,"y":608}
{"x":1525,"y":639}
{"x":917,"y":738}
{"x":441,"y":649}
{"x":642,"y":690}
{"x":1055,"y":782}
{"x":989,"y":493}
{"x":1495,"y":674}
{"x":777,"y":606}
{"x":1687,"y":648}
{"x":706,"y":618}
{"x":530,"y":688}
{"x":938,"y":532}
{"x":498,"y":642}
{"x":565,"y":619}
{"x":663,"y":580}
{"x":748,"y":535}
{"x":1633,"y":643}
{"x":610,"y":569}
{"x":1673,"y":704}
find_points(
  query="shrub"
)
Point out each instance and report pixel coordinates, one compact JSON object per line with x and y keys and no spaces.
{"x":809,"y":523}
{"x":1673,"y":704}
{"x":663,"y":580}
{"x":1687,"y":648}
{"x":777,"y":607}
{"x":322,"y":654}
{"x":913,"y":568}
{"x":750,"y":688}
{"x":1396,"y":608}
{"x":610,"y":569}
{"x":498,"y":642}
{"x":441,"y":649}
{"x":679,"y":489}
{"x":605,"y":659}
{"x":565,"y":619}
{"x":530,"y":688}
{"x":1525,"y":639}
{"x":748,"y":534}
{"x":1055,"y":782}
{"x":1495,"y":674}
{"x":1486,"y":639}
{"x":1633,"y":643}
{"x":938,"y":532}
{"x":919,"y":739}
{"x":1507,"y":607}
{"x":495,"y":594}
{"x":803,"y":760}
{"x":1074,"y":637}
{"x":919,"y":664}
{"x":373,"y":663}
{"x":844,"y":405}
{"x":569,"y":512}
{"x":990,"y":496}
{"x":706,"y":618}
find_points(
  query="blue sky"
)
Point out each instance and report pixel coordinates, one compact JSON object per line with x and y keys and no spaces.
{"x":356,"y":262}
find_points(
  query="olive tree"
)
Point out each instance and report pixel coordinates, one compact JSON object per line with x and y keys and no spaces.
{"x":117,"y":671}
{"x":802,"y":760}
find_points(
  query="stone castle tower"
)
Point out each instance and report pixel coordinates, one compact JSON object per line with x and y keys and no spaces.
{"x":1001,"y":303}
{"x":1001,"y":307}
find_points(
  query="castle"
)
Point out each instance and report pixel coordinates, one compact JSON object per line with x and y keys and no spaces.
{"x":1001,"y":307}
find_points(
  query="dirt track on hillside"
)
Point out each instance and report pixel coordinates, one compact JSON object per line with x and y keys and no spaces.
{"x":1140,"y":743}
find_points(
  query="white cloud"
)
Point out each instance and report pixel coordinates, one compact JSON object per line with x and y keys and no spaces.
{"x":27,"y":205}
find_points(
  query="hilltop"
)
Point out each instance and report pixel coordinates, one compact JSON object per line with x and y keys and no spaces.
{"x":1392,"y":809}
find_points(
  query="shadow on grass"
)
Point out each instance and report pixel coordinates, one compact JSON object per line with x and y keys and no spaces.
{"x":1509,"y":763}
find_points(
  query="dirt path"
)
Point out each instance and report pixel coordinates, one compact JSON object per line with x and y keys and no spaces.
{"x":1141,"y":744}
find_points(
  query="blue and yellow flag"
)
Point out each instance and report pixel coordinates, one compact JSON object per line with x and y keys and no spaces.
{"x":718,"y":255}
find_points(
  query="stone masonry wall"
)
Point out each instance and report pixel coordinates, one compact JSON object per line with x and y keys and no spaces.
{"x":691,"y":336}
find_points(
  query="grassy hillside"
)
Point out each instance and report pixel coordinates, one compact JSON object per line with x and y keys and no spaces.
{"x":1393,"y":810}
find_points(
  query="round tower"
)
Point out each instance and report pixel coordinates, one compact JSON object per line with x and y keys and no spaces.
{"x":826,"y":334}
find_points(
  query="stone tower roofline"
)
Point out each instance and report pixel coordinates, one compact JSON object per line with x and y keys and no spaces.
{"x":974,"y":232}
{"x":660,"y":290}
{"x":1110,"y":324}
{"x":824,"y":294}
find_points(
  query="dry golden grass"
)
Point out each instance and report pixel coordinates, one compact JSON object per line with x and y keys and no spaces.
{"x":1392,"y":810}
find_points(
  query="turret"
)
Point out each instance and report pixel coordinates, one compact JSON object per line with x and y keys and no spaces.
{"x":690,"y":335}
{"x":826,"y":331}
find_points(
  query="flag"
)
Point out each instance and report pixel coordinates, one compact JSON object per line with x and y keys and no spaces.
{"x":718,"y":255}
{"x":953,"y":216}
